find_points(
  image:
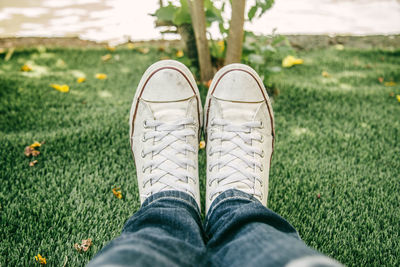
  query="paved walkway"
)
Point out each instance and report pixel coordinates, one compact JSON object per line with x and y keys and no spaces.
{"x":120,"y":20}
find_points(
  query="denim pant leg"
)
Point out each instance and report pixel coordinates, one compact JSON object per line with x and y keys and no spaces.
{"x":242,"y":232}
{"x":166,"y":231}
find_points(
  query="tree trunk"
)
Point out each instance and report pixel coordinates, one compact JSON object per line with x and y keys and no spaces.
{"x":199,"y":26}
{"x":235,"y":38}
{"x":187,"y":34}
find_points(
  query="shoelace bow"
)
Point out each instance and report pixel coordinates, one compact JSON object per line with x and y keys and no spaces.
{"x":169,"y":140}
{"x":236,"y":136}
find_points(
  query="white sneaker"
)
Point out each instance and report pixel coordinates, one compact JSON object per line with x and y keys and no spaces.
{"x":239,"y":125}
{"x":165,"y":121}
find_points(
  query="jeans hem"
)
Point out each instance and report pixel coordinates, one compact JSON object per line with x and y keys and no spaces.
{"x":173,"y":195}
{"x":231,"y":194}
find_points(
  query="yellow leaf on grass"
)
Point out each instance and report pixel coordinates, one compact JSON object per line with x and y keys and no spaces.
{"x":101,"y":76}
{"x":26,"y":67}
{"x":60,"y":87}
{"x":80,"y":79}
{"x":35,"y":144}
{"x":111,"y":48}
{"x":325,"y":74}
{"x":398,"y":97}
{"x":32,"y":163}
{"x":106,"y":57}
{"x":290,"y":61}
{"x":389,"y":84}
{"x":221,"y":45}
{"x":40,"y":259}
{"x":143,"y":50}
{"x":117,"y":192}
{"x":202,"y":144}
{"x":339,"y":47}
{"x":179,"y":53}
{"x":130,"y":46}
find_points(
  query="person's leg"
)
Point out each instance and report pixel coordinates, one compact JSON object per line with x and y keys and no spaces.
{"x":239,"y":124}
{"x":166,"y":231}
{"x":165,"y":121}
{"x":243,"y":232}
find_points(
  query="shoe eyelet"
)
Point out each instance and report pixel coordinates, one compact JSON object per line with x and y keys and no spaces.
{"x":144,"y":124}
{"x":143,"y":169}
{"x":209,"y":168}
{"x":142,"y":154}
{"x":262,"y":168}
{"x":143,"y":139}
{"x":261,"y":125}
{"x":262,"y":139}
{"x":262,"y":154}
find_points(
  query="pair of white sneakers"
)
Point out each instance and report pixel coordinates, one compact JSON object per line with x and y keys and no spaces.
{"x":166,"y":120}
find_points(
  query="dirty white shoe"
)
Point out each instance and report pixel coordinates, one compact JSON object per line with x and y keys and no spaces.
{"x":239,"y":126}
{"x":165,"y":120}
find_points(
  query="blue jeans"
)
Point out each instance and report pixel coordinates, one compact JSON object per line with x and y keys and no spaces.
{"x":238,"y":231}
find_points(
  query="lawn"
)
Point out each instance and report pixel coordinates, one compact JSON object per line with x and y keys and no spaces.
{"x":335,"y":171}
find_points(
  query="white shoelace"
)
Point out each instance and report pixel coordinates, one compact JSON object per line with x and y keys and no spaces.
{"x":236,"y":136}
{"x":169,"y":141}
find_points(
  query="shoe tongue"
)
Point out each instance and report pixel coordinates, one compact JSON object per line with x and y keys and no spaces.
{"x":237,"y":112}
{"x":169,"y":111}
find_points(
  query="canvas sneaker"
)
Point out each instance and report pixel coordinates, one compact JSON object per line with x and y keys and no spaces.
{"x":239,"y":126}
{"x":165,"y":120}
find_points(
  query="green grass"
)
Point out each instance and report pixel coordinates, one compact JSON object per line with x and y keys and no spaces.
{"x":337,"y":136}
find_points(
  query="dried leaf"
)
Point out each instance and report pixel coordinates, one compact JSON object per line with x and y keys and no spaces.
{"x":380,"y":79}
{"x":35,"y":144}
{"x":325,"y":74}
{"x":29,"y":151}
{"x":40,"y":259}
{"x":32,"y":163}
{"x":111,"y":48}
{"x":60,"y":63}
{"x":106,"y":57}
{"x":35,"y":153}
{"x":209,"y":83}
{"x":390,"y":84}
{"x":202,"y":144}
{"x":26,"y":67}
{"x":221,"y":45}
{"x":63,"y":88}
{"x":9,"y":54}
{"x":290,"y":61}
{"x":80,"y":79}
{"x":179,"y":53}
{"x":319,"y":196}
{"x":101,"y":76}
{"x":339,"y":47}
{"x":143,"y":50}
{"x":117,"y":192}
{"x":86,"y":244}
